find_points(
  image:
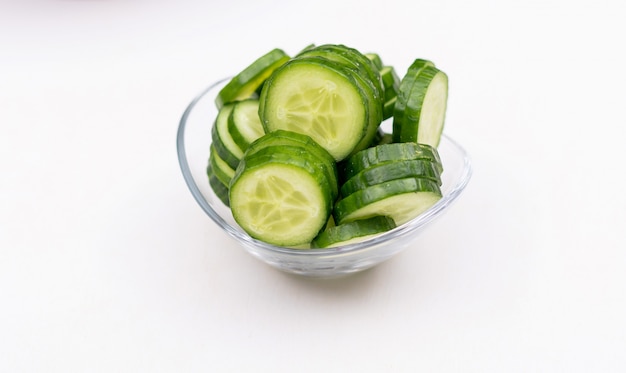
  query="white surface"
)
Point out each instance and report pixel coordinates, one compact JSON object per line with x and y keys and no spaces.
{"x":107,"y":263}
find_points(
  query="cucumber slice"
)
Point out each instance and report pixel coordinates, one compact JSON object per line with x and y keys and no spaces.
{"x":221,"y":125}
{"x":404,"y":92}
{"x":363,"y":79}
{"x":220,"y":190}
{"x":389,"y":107}
{"x":376,"y":60}
{"x":352,"y":232}
{"x":287,"y":138}
{"x":391,"y":82}
{"x":244,"y":84}
{"x":388,"y":152}
{"x":221,"y":169}
{"x":423,"y":115}
{"x":391,"y":170}
{"x":223,"y":151}
{"x":370,"y":74}
{"x":244,"y":123}
{"x":300,"y":155}
{"x":279,"y":201}
{"x":361,"y":62}
{"x":400,"y":199}
{"x":317,"y":98}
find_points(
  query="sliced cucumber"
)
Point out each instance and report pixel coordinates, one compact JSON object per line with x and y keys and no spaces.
{"x":360,"y":61}
{"x":369,"y":73}
{"x":220,"y":190}
{"x":279,"y":137}
{"x":244,"y":84}
{"x":299,"y":155}
{"x":391,"y":170}
{"x":221,"y":149}
{"x":244,"y":123}
{"x":221,"y":169}
{"x":306,"y":144}
{"x":376,"y":60}
{"x":314,"y":97}
{"x":388,"y":152}
{"x":279,"y":201}
{"x":391,"y":83}
{"x":223,"y":134}
{"x":290,"y":130}
{"x":404,"y":92}
{"x":352,"y":232}
{"x":422,"y":117}
{"x":400,"y":199}
{"x":363,"y":79}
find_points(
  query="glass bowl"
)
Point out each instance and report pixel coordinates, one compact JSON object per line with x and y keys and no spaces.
{"x":193,"y":142}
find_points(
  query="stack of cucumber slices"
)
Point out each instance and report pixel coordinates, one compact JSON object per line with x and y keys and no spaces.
{"x":299,"y":155}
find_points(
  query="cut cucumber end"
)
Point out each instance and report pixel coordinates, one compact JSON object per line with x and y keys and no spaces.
{"x":279,"y":204}
{"x":433,"y":113}
{"x":401,"y":200}
{"x":312,"y":98}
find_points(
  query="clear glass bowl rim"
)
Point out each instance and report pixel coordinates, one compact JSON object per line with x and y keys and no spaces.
{"x":402,"y":230}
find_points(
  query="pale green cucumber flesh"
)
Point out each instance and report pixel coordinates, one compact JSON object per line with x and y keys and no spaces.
{"x":221,"y":149}
{"x":401,"y":200}
{"x":245,"y":84}
{"x":244,"y":123}
{"x":361,"y":62}
{"x":221,"y":125}
{"x":298,"y":155}
{"x":371,"y":80}
{"x":305,"y":144}
{"x":424,"y":114}
{"x":312,"y":97}
{"x":279,"y":203}
{"x":221,"y":169}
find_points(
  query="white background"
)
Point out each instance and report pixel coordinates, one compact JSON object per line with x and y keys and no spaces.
{"x":107,"y":264}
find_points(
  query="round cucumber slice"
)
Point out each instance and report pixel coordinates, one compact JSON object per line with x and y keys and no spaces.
{"x":314,"y":97}
{"x":400,"y":199}
{"x":281,"y":204}
{"x":391,"y":170}
{"x":244,"y":123}
{"x":366,"y":72}
{"x":353,"y":232}
{"x":424,"y":114}
{"x":244,"y":84}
